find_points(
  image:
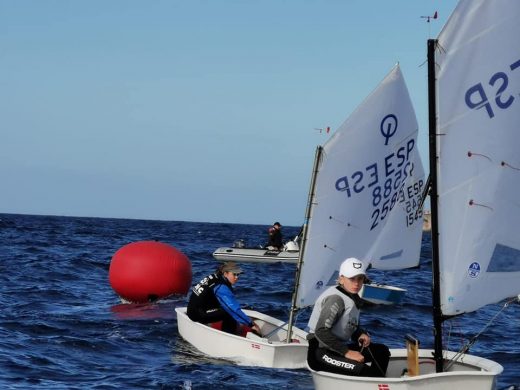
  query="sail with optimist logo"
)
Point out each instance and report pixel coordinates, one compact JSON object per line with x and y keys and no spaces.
{"x":365,"y":201}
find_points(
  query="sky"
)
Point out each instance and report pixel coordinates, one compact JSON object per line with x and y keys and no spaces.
{"x":191,"y":110}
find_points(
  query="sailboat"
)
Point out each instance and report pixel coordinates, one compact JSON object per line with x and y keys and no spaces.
{"x":473,"y":83}
{"x":364,"y":201}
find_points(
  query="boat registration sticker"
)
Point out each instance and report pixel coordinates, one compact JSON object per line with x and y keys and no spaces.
{"x":474,"y":270}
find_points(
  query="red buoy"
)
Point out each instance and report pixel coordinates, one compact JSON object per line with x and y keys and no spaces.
{"x":146,"y":271}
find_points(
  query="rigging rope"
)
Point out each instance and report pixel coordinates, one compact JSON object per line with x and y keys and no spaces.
{"x":375,"y":361}
{"x":297,"y":313}
{"x":473,"y":340}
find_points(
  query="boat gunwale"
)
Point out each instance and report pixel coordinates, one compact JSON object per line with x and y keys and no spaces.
{"x":257,"y":315}
{"x":487,"y":368}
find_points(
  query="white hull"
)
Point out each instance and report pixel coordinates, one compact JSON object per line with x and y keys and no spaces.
{"x":251,"y":350}
{"x":253,"y":255}
{"x":472,"y":373}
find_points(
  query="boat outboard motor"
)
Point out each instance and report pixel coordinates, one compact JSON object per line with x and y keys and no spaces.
{"x":291,"y":246}
{"x":239,"y":244}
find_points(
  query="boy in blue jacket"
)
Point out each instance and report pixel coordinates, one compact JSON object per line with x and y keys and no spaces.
{"x":213,"y":300}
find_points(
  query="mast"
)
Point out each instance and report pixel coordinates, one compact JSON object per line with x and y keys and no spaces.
{"x":432,"y":122}
{"x":308,"y":210}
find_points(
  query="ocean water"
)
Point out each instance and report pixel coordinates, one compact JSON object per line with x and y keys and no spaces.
{"x":63,"y":327}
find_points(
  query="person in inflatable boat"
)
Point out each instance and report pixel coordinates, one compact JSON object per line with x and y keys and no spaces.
{"x":275,"y":237}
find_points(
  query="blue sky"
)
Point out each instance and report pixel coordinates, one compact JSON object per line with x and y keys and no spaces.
{"x":190,"y":110}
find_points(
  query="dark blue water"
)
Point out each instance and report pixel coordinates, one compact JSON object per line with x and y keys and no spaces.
{"x":63,"y":327}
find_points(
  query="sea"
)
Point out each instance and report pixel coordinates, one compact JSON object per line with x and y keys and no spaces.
{"x":63,"y":327}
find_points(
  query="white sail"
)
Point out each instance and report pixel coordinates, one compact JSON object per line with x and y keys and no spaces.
{"x":367,"y":192}
{"x":479,"y":163}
